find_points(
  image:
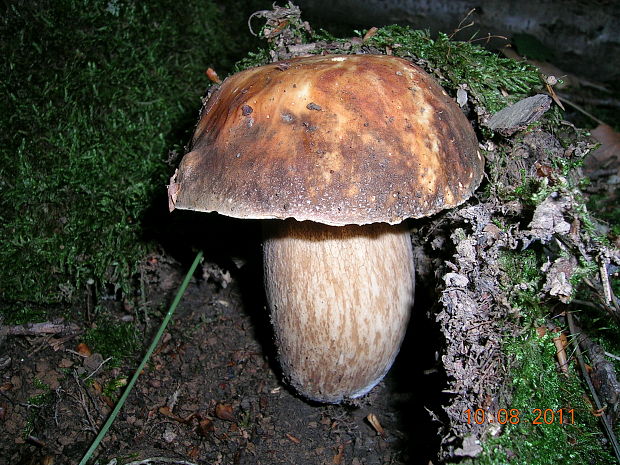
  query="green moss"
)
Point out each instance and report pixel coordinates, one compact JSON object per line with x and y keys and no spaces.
{"x":531,"y":191}
{"x":585,"y":270}
{"x":537,"y":384}
{"x":96,"y":93}
{"x":35,"y":404}
{"x":113,"y":387}
{"x":27,"y":312}
{"x":522,"y":284}
{"x":252,"y":59}
{"x":37,"y":383}
{"x":118,"y":340}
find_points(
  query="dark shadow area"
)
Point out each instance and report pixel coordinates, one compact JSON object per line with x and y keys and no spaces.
{"x":231,"y":243}
{"x":181,"y":232}
{"x":580,"y":39}
{"x":416,"y":380}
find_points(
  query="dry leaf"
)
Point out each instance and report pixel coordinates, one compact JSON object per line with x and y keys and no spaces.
{"x":293,"y":438}
{"x":173,"y":191}
{"x":558,"y":278}
{"x":193,"y":453}
{"x":609,"y":151}
{"x":84,"y":350}
{"x":165,"y":410}
{"x":269,"y":34}
{"x":97,"y":387}
{"x":371,"y":32}
{"x":549,"y":219}
{"x":561,"y":342}
{"x":205,"y":427}
{"x":461,"y":97}
{"x":65,"y":363}
{"x":374,"y":422}
{"x":337,"y":460}
{"x":6,"y":387}
{"x":212,"y":75}
{"x":224,"y":412}
{"x":471,"y":447}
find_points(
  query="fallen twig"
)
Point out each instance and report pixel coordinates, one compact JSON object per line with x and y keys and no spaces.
{"x":154,"y":460}
{"x":275,"y":17}
{"x":581,"y":110}
{"x":593,"y":101}
{"x":41,"y":329}
{"x":92,"y":425}
{"x":605,"y":281}
{"x":98,"y":368}
{"x":579,"y":339}
{"x":561,"y":342}
{"x":615,"y":357}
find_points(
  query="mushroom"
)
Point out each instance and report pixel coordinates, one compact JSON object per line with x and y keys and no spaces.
{"x":334,"y":153}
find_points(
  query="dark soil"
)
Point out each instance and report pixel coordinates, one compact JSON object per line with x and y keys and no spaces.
{"x":211,"y":394}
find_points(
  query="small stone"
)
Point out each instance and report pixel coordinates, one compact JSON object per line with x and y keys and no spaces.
{"x":169,"y":435}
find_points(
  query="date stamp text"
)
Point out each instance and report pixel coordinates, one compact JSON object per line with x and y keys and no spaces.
{"x":515,"y":416}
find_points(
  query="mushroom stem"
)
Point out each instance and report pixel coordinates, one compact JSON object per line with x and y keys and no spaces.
{"x":340,"y":299}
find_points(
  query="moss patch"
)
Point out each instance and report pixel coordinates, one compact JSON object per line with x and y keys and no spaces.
{"x":96,"y":94}
{"x":117,"y":340}
{"x":533,"y":430}
{"x":539,"y":389}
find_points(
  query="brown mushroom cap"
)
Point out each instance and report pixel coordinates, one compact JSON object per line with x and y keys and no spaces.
{"x":336,"y":139}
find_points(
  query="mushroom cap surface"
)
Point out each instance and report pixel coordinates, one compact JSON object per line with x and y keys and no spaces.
{"x":335,"y":139}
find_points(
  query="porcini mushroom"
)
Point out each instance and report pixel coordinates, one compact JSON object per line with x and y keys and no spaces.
{"x":336,"y":151}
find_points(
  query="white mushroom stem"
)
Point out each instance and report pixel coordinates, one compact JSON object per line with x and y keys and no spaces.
{"x":340,"y":299}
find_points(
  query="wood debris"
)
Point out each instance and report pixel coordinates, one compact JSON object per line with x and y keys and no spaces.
{"x":374,"y":422}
